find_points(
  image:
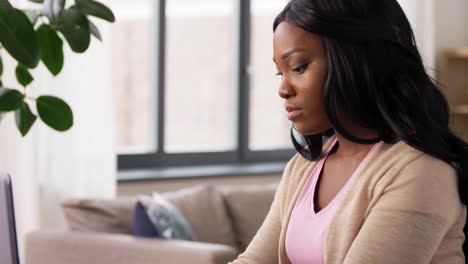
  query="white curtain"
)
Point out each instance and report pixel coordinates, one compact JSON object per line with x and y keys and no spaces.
{"x":49,"y":166}
{"x":80,"y":162}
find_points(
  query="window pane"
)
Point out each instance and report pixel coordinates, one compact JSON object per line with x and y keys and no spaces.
{"x":269,"y":126}
{"x":200,"y":112}
{"x":133,"y":73}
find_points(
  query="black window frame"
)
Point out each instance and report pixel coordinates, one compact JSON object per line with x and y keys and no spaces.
{"x":242,"y":155}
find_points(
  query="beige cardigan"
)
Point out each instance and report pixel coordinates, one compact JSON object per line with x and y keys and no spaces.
{"x":403,"y":208}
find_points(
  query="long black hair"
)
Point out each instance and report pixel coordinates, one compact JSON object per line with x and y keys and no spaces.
{"x":376,"y":76}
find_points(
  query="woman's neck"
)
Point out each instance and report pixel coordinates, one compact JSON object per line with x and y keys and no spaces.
{"x":348,"y":149}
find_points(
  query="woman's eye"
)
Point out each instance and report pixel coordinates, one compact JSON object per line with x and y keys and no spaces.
{"x":300,"y":69}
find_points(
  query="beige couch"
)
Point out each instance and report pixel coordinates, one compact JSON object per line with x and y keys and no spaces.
{"x":224,"y":220}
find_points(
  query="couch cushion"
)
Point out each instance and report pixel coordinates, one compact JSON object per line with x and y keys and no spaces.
{"x":248,"y":207}
{"x":100,"y":215}
{"x":204,"y":208}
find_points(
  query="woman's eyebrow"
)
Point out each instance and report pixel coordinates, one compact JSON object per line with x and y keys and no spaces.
{"x":290,"y":52}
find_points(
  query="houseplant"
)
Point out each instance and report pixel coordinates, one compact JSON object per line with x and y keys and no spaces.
{"x":37,"y":35}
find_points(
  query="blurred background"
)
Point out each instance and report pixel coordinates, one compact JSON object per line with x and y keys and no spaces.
{"x":180,"y":94}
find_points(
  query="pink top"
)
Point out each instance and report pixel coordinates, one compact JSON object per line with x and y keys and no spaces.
{"x":306,"y":232}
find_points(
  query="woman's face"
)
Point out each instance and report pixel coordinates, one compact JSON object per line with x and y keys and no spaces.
{"x":301,"y":61}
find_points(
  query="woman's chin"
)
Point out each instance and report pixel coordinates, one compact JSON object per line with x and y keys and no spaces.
{"x":303,"y":130}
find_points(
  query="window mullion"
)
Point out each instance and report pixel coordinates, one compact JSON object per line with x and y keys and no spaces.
{"x":160,"y":70}
{"x":243,"y":46}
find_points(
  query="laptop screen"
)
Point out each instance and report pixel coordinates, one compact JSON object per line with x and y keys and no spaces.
{"x":8,"y":244}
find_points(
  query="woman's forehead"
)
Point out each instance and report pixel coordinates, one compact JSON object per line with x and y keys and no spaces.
{"x":288,"y":37}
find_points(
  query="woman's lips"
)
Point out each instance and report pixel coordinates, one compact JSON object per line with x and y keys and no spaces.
{"x":293,"y":111}
{"x":293,"y":114}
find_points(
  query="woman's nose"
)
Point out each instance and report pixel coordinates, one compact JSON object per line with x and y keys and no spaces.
{"x":285,"y":91}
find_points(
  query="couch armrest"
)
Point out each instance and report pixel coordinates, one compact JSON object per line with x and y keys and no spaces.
{"x":59,"y":247}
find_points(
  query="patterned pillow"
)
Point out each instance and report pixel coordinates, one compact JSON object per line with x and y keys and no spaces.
{"x":141,"y":224}
{"x":168,"y":220}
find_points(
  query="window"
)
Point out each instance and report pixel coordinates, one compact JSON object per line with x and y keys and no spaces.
{"x":195,"y":83}
{"x":133,"y":69}
{"x":200,"y":110}
{"x":266,"y":107}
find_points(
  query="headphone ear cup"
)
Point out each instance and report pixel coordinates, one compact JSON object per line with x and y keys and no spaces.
{"x":298,"y":136}
{"x":310,"y":146}
{"x":315,"y":145}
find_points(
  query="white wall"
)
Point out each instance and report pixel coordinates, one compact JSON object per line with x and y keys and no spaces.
{"x":451,"y":24}
{"x":438,"y":25}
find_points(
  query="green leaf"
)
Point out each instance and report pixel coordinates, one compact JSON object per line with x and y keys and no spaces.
{"x":32,"y":16}
{"x":53,"y":8}
{"x":10,"y":99}
{"x":24,"y":118}
{"x":23,"y":76}
{"x":19,"y":39}
{"x":54,"y":112}
{"x":75,"y":29}
{"x":51,"y":47}
{"x":7,"y":14}
{"x":95,"y":31}
{"x":1,"y":66}
{"x":37,"y":1}
{"x":93,"y":8}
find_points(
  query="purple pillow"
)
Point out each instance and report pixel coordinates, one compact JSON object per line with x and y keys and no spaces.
{"x":142,"y":225}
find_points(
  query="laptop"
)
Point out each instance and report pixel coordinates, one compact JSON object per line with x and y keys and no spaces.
{"x":8,"y":242}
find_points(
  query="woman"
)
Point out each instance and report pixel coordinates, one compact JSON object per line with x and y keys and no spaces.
{"x":381,"y":179}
